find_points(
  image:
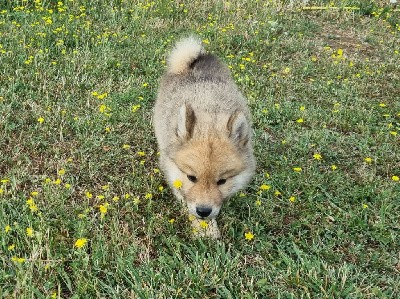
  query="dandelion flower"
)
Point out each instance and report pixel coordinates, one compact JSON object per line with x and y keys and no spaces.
{"x":171,"y":221}
{"x":364,"y":206}
{"x":258,"y":202}
{"x":300,"y":120}
{"x":40,"y":120}
{"x":277,"y":193}
{"x":265,"y":187}
{"x":136,"y":200}
{"x":148,"y":196}
{"x":249,"y":236}
{"x":29,"y":232}
{"x":19,"y":260}
{"x":292,"y":198}
{"x":88,"y":195}
{"x":80,"y":242}
{"x":177,"y":184}
{"x":368,"y":160}
{"x":11,"y":247}
{"x":161,"y":188}
{"x":297,"y":169}
{"x":115,"y":198}
{"x":61,"y":171}
{"x":203,"y":224}
{"x":395,"y":178}
{"x":333,"y":167}
{"x":126,"y":146}
{"x":67,"y":186}
{"x":103,"y":209}
{"x":7,"y":228}
{"x":317,"y":156}
{"x":34,"y":193}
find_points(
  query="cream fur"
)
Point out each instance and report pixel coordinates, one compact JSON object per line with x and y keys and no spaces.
{"x":184,"y":53}
{"x":203,"y":129}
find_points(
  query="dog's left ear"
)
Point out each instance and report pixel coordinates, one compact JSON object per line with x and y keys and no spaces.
{"x":186,"y":122}
{"x":238,"y":128}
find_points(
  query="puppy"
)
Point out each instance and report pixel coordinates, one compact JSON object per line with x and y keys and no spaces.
{"x":203,"y":129}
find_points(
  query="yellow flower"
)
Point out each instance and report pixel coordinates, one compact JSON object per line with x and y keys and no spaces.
{"x":34,"y":193}
{"x":29,"y":232}
{"x":258,"y":202}
{"x":127,"y":195}
{"x":103,"y":209}
{"x":203,"y":224}
{"x":11,"y":247}
{"x":382,"y":105}
{"x":364,"y":206}
{"x":115,"y":198}
{"x":40,"y":120}
{"x":19,"y":260}
{"x":292,"y":198}
{"x":141,"y":154}
{"x":80,"y":242}
{"x":368,"y":160}
{"x":67,"y":186}
{"x":249,"y":236}
{"x":7,"y":228}
{"x":394,"y":133}
{"x":135,"y":108}
{"x":177,"y":184}
{"x":47,"y":180}
{"x":302,"y":108}
{"x":171,"y":220}
{"x":148,"y":196}
{"x":161,"y":188}
{"x":395,"y":178}
{"x":265,"y":187}
{"x":300,"y":120}
{"x":3,"y":181}
{"x":57,"y":182}
{"x":192,"y":217}
{"x":136,"y":200}
{"x":61,"y":171}
{"x":334,"y":167}
{"x":1,"y":191}
{"x":126,"y":146}
{"x":317,"y":156}
{"x":297,"y":169}
{"x":100,"y":196}
{"x":88,"y":194}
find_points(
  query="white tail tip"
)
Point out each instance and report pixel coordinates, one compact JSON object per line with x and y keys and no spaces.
{"x":184,"y":53}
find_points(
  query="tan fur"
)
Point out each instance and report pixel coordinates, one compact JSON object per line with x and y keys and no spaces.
{"x":203,"y":129}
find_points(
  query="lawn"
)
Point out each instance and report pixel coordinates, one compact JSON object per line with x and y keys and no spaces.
{"x":84,"y":209}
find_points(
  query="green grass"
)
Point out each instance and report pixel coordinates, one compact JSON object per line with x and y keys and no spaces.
{"x":84,"y":67}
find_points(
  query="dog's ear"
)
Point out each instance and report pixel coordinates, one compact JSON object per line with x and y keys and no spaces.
{"x":186,"y":122}
{"x":238,"y":128}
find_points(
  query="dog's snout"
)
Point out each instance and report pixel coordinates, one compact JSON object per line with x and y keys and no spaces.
{"x":203,"y":211}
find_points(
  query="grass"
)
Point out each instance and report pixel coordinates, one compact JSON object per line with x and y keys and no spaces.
{"x":78,"y":80}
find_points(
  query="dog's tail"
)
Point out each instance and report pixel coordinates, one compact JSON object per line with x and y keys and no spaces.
{"x":185,"y":52}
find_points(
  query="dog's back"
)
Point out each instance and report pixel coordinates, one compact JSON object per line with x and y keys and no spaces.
{"x":201,"y":80}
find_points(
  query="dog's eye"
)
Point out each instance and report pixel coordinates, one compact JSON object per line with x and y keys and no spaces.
{"x":221,"y":182}
{"x":192,"y":178}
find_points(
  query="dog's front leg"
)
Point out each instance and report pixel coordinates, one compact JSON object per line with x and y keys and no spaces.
{"x":205,"y":228}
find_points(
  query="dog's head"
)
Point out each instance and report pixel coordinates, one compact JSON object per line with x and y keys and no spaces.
{"x":211,"y":164}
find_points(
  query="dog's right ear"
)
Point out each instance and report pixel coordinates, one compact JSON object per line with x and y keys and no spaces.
{"x":238,"y":128}
{"x":186,"y":122}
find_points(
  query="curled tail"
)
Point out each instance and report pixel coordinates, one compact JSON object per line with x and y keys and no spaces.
{"x":185,"y":52}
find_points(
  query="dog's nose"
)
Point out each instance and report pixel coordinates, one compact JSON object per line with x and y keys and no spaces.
{"x":203,"y":211}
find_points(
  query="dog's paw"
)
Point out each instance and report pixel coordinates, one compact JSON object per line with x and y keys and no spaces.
{"x":205,"y":228}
